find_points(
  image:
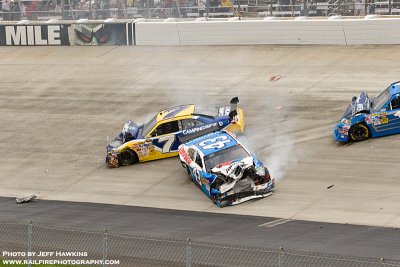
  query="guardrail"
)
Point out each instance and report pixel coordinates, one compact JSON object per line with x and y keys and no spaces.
{"x":32,"y":243}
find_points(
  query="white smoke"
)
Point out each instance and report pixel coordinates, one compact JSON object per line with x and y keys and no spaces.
{"x":273,"y":138}
{"x":281,"y":157}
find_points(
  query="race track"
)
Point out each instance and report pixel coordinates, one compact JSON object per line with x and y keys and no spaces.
{"x":60,"y":106}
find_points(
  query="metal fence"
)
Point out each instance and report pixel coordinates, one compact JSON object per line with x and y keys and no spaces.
{"x":38,"y":243}
{"x":15,"y":10}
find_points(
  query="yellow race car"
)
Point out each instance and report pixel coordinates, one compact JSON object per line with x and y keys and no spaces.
{"x":161,"y":136}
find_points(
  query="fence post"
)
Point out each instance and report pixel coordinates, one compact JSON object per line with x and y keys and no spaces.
{"x":105,"y":246}
{"x":29,"y":242}
{"x":188,"y":253}
{"x":280,"y":257}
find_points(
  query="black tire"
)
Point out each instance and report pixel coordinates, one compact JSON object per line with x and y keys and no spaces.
{"x":359,"y":132}
{"x":183,"y":164}
{"x":223,"y":203}
{"x":189,"y":174}
{"x":217,"y":201}
{"x":128,"y":157}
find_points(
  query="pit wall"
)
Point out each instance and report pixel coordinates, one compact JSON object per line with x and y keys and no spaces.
{"x":228,"y":32}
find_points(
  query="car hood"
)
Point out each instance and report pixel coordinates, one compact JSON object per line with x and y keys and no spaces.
{"x":230,"y":168}
{"x":360,"y":104}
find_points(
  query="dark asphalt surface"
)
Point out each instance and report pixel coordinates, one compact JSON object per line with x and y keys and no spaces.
{"x":346,"y":240}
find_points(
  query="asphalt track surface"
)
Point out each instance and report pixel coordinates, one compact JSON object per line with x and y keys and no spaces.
{"x":238,"y":230}
{"x":60,"y":107}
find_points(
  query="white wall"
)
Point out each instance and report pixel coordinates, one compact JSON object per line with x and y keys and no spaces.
{"x":372,"y":31}
{"x":245,"y":32}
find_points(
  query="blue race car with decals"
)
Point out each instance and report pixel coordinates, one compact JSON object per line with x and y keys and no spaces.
{"x":370,"y":117}
{"x":224,"y":169}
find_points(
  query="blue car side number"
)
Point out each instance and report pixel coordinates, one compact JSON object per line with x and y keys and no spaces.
{"x":214,"y":143}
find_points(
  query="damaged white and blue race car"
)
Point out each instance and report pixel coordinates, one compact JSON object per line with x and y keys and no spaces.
{"x":224,"y":169}
{"x":370,"y":117}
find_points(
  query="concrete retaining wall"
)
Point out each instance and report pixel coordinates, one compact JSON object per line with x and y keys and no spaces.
{"x":289,"y":32}
{"x":227,"y":32}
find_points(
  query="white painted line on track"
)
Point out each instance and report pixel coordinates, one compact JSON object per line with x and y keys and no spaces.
{"x":274,"y":223}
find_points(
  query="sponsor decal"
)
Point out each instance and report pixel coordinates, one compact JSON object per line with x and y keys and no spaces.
{"x":67,"y":34}
{"x":377,"y":118}
{"x":201,"y":128}
{"x":185,"y":156}
{"x":97,"y":34}
{"x":231,"y":167}
{"x":32,"y":34}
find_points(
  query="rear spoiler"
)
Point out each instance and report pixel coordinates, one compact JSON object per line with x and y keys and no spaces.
{"x":233,"y":104}
{"x":193,"y":133}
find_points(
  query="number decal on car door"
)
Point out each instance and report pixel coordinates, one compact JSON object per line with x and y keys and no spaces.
{"x":169,"y":141}
{"x":217,"y":142}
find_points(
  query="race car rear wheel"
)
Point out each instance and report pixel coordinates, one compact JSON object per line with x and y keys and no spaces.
{"x":128,"y":157}
{"x":359,"y":132}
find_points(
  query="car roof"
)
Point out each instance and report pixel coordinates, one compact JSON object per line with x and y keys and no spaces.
{"x":394,"y":88}
{"x":178,"y":111}
{"x":229,"y":141}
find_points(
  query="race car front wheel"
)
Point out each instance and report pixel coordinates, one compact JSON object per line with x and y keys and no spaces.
{"x":126,"y":158}
{"x":217,"y":198}
{"x":189,"y":173}
{"x":359,"y":132}
{"x":220,"y":203}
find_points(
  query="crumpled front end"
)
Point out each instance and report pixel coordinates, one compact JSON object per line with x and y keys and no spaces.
{"x":258,"y":191}
{"x":112,"y":154}
{"x":359,"y":105}
{"x":129,"y":132}
{"x":112,"y":159}
{"x":341,"y":131}
{"x":241,"y":181}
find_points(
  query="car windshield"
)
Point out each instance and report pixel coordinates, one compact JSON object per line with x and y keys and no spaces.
{"x":381,"y":99}
{"x":222,"y":156}
{"x":149,"y":125}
